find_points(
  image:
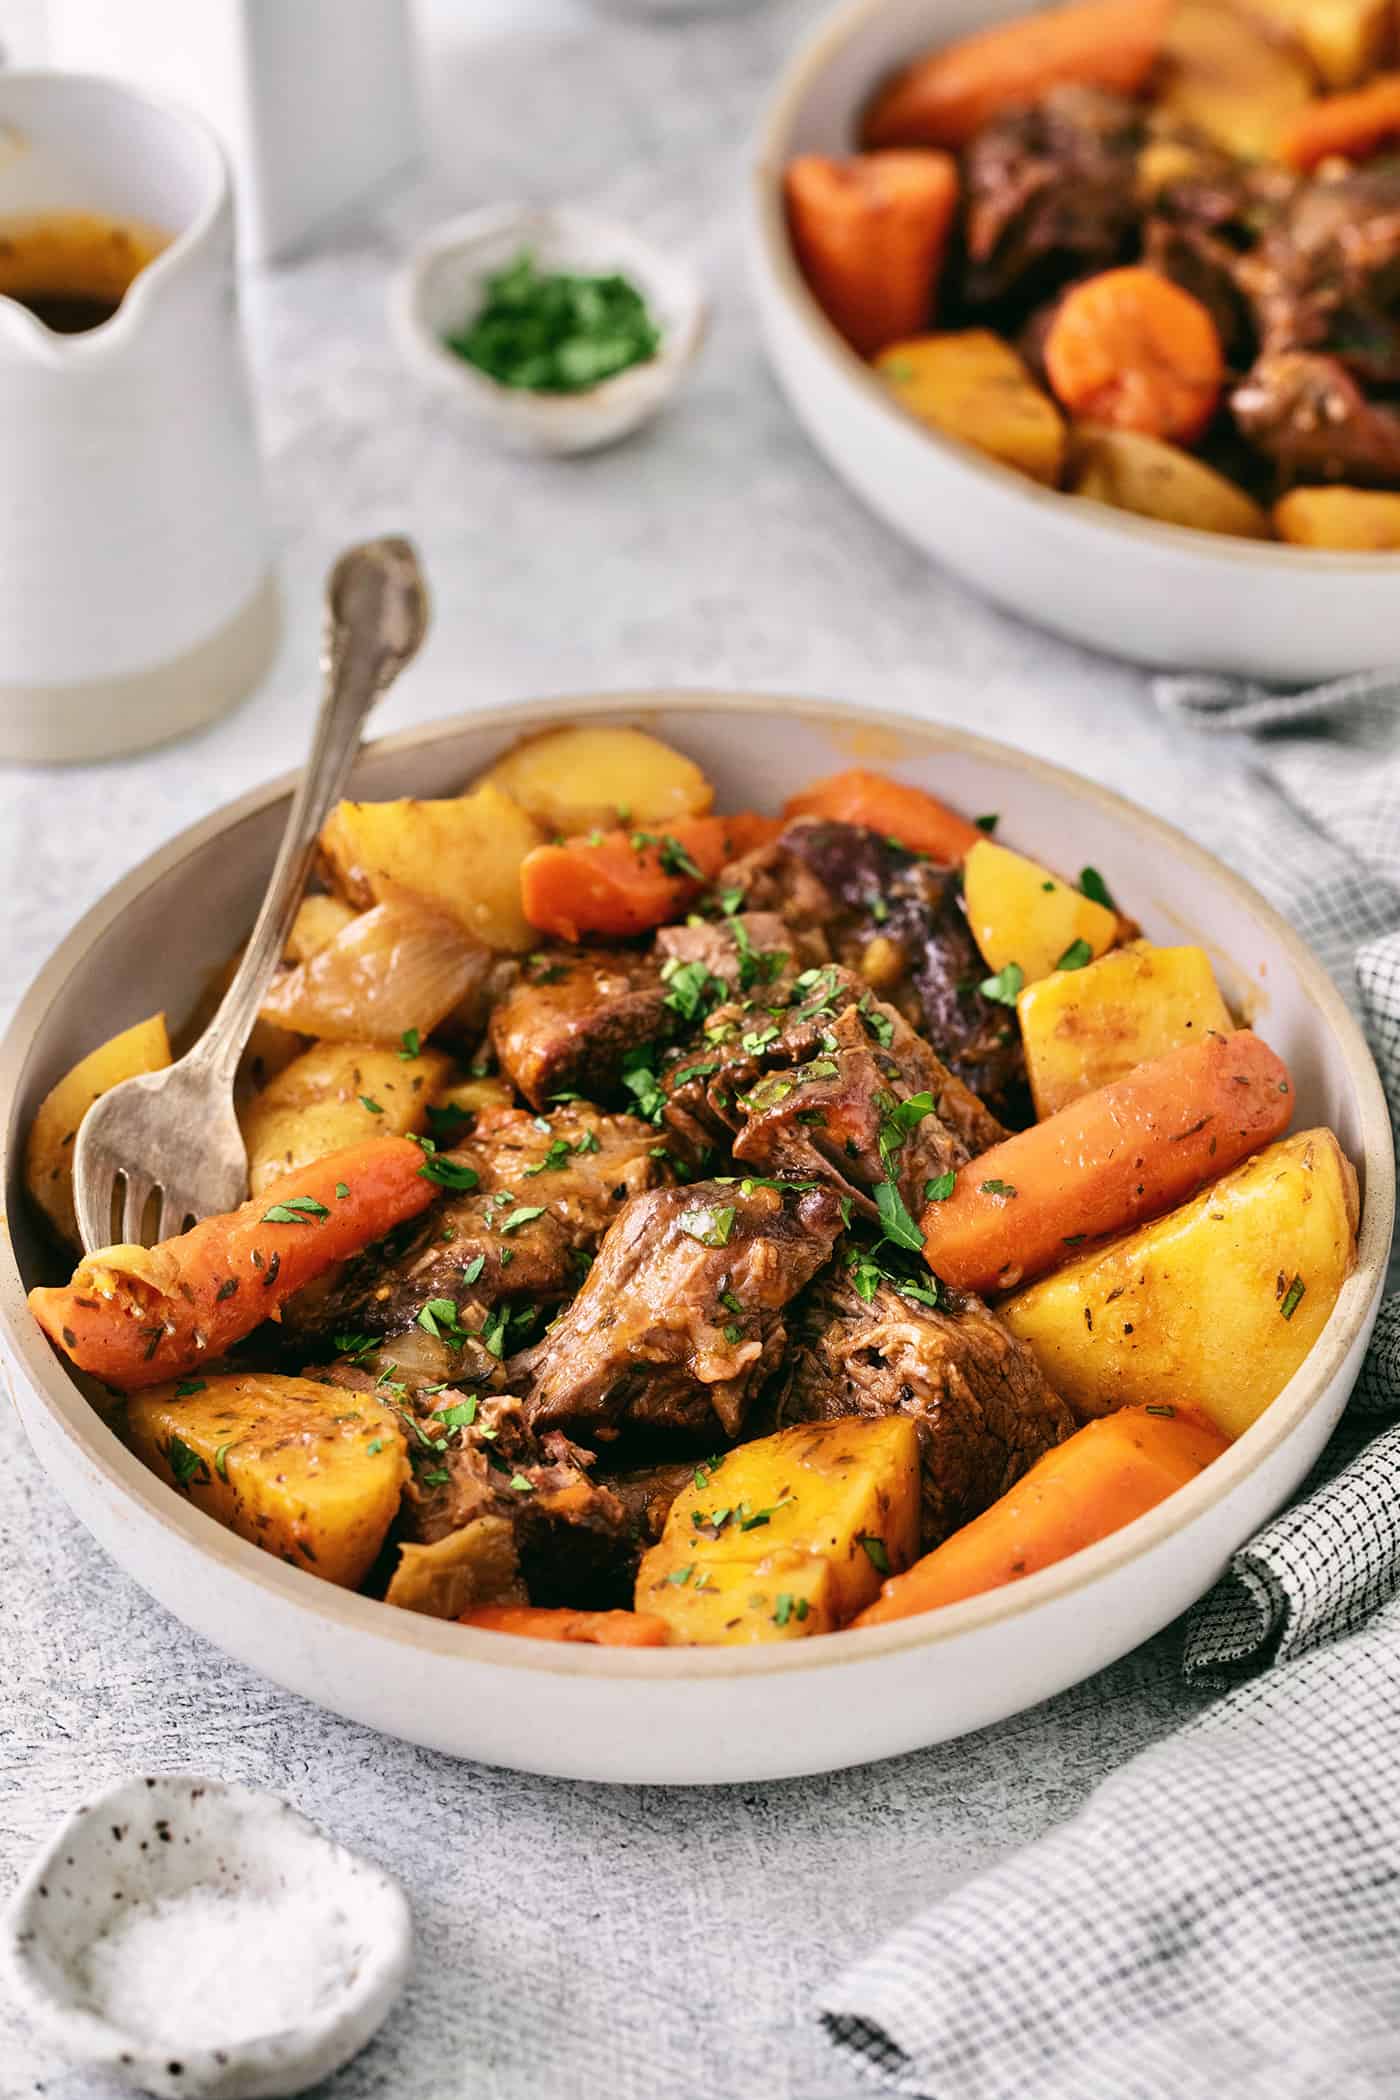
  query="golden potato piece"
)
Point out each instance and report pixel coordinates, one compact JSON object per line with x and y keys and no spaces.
{"x":789,"y":1535}
{"x":597,"y":778}
{"x":1215,"y":1305}
{"x":973,"y":386}
{"x":463,"y":854}
{"x":1344,"y":40}
{"x":476,"y":1565}
{"x":1085,"y":1028}
{"x":336,"y":1094}
{"x":48,"y":1156}
{"x":1355,"y":521}
{"x":319,"y":919}
{"x":1221,"y":73}
{"x":1020,"y":913}
{"x":306,"y":1471}
{"x":1128,"y":470}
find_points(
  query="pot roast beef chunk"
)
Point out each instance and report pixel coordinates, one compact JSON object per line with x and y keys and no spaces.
{"x":898,"y":920}
{"x":1205,"y":213}
{"x":548,"y":1188}
{"x":846,"y":1118}
{"x":572,"y":1017}
{"x":750,"y":948}
{"x":983,"y":1410}
{"x":1307,"y":413}
{"x":1050,"y":194}
{"x":681,"y":1319}
{"x":1325,"y":275}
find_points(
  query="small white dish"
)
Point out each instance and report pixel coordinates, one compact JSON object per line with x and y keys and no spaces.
{"x":443,"y":286}
{"x":129,"y":1868}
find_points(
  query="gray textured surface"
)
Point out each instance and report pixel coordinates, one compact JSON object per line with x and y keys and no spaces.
{"x":575,"y":1942}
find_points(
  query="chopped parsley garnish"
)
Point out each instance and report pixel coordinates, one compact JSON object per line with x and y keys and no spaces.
{"x":372,"y":1106}
{"x":940,"y":1188}
{"x":875,"y":1548}
{"x":675,"y":860}
{"x":412,"y":1042}
{"x":710,"y":1224}
{"x":187,"y":1386}
{"x":297,"y":1210}
{"x":997,"y":1188}
{"x":448,"y":1173}
{"x":691,"y":988}
{"x":185,"y":1464}
{"x":474,"y":1268}
{"x":355,"y":1345}
{"x":989,"y":823}
{"x":639,"y":1078}
{"x":221,"y":1459}
{"x":558,"y":1155}
{"x":438,"y":1477}
{"x":763,"y":1516}
{"x":373,"y":1447}
{"x":876,"y":1024}
{"x":448,"y":1122}
{"x":1293,"y":1297}
{"x":869,"y":1271}
{"x":342,"y":1189}
{"x":1168,"y":1412}
{"x":1005,"y":987}
{"x":439,"y":1317}
{"x":1093,"y":886}
{"x":733,"y":1335}
{"x":521,"y":1217}
{"x":789,"y":1607}
{"x":556,"y":331}
{"x":461,"y":1414}
{"x":681,"y":1576}
{"x":521,"y":1485}
{"x":895,"y":1218}
{"x":758,"y":1040}
{"x":1075,"y":956}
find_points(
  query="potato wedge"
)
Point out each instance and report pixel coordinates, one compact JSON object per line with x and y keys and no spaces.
{"x":463,"y":855}
{"x":596,"y":778}
{"x":318,"y":921}
{"x":1355,"y":521}
{"x":333,"y":1095}
{"x":476,"y":1565}
{"x":1128,"y":470}
{"x":974,"y":386}
{"x":1085,"y":1028}
{"x":48,"y":1156}
{"x":1344,"y":40}
{"x":789,"y":1535}
{"x":306,"y":1471}
{"x":1214,"y":1306}
{"x":1225,"y":75}
{"x":1020,"y":913}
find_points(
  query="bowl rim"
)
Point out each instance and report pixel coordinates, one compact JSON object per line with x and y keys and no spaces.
{"x":1097,"y":526}
{"x":320,"y":1601}
{"x":638,"y":386}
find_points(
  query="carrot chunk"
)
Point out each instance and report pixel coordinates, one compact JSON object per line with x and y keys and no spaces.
{"x":918,"y":820}
{"x":1353,"y":126}
{"x":135,"y":1316}
{"x":946,"y":96}
{"x":1133,"y":350}
{"x":603,"y":1629}
{"x":1098,"y":1480}
{"x":871,"y":234}
{"x":1113,"y":1158}
{"x":619,"y":882}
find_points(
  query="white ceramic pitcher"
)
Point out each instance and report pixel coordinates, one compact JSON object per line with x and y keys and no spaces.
{"x":136,"y":599}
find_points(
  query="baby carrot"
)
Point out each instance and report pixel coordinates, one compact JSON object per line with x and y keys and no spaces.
{"x":135,"y":1316}
{"x":1133,"y":350}
{"x":891,"y":807}
{"x":871,"y":234}
{"x":1352,"y":126}
{"x":1113,"y":1158}
{"x":619,"y":882}
{"x":1093,"y":1484}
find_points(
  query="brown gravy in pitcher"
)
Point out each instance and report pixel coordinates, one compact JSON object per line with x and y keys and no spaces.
{"x":72,"y":269}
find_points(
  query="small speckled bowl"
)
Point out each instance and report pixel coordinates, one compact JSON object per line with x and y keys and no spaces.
{"x":443,"y":287}
{"x":163,"y":1837}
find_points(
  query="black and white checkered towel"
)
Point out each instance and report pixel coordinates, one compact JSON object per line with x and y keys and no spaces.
{"x":1222,"y":1921}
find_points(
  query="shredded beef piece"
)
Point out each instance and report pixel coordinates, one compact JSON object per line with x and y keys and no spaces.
{"x":569,"y":1022}
{"x":1050,"y":194}
{"x":1309,"y":414}
{"x":983,"y":1409}
{"x":681,"y":1318}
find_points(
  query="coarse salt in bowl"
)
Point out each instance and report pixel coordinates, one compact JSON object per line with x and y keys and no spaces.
{"x":443,"y":287}
{"x":191,"y":1937}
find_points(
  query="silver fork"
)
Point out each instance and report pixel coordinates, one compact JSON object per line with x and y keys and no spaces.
{"x":173,"y":1135}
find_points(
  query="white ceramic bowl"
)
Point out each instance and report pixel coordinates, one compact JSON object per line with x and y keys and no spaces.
{"x":691,"y":1715}
{"x":1158,"y":593}
{"x":443,"y":286}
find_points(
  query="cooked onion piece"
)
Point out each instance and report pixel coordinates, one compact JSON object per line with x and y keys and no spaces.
{"x":399,"y":967}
